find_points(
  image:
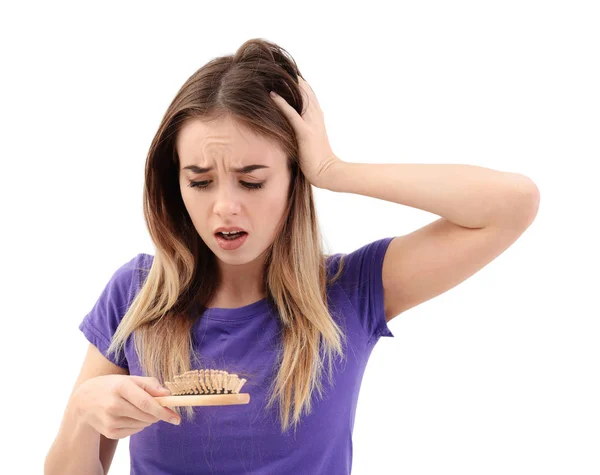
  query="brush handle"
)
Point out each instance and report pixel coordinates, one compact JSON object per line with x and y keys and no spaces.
{"x":204,"y":400}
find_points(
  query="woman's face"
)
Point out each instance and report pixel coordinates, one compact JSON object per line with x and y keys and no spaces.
{"x":226,"y":197}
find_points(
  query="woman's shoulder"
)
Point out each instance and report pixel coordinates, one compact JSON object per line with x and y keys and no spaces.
{"x":359,"y":259}
{"x":134,"y":267}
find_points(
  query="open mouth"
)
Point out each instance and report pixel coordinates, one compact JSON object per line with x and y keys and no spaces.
{"x":231,"y":236}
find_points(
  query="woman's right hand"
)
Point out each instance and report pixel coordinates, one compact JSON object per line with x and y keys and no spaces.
{"x":118,"y":405}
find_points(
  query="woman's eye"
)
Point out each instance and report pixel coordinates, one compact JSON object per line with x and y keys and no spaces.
{"x":252,"y":186}
{"x":198,"y":184}
{"x":204,"y":184}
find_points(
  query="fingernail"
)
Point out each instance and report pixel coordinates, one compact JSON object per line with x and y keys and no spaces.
{"x":174,"y":421}
{"x":160,"y":388}
{"x":273,"y":94}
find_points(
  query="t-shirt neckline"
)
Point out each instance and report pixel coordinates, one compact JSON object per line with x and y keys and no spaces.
{"x":247,"y":311}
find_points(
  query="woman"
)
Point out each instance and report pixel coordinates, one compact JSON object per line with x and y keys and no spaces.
{"x":265,"y":303}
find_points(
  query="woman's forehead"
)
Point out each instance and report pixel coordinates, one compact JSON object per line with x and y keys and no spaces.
{"x":201,"y":143}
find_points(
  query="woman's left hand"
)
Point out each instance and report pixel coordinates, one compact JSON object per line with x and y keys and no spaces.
{"x":316,"y":157}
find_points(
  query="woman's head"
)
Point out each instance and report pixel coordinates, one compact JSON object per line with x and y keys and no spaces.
{"x":223,"y":117}
{"x":215,"y":195}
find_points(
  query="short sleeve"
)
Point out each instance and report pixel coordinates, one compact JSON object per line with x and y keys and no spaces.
{"x":100,"y":324}
{"x":362,"y":282}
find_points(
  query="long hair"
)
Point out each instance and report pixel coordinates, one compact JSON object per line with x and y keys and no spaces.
{"x":184,"y":274}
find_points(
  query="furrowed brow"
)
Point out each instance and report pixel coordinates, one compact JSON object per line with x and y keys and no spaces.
{"x":246,"y":169}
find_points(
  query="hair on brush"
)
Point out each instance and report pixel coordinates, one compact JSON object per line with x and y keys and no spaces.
{"x":204,"y":387}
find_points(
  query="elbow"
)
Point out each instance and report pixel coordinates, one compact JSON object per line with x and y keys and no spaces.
{"x":529,"y":196}
{"x":521,"y":201}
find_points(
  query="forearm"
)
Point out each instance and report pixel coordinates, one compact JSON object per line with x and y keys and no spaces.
{"x":467,"y":195}
{"x":75,"y":449}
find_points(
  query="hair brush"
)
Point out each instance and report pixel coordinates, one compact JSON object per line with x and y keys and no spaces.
{"x":204,"y":387}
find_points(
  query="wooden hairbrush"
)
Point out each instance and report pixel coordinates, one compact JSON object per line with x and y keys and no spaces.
{"x":204,"y":387}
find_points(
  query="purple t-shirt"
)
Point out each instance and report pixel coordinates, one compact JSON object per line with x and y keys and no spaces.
{"x":247,"y":438}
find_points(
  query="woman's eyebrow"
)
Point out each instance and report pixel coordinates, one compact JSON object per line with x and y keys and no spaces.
{"x":246,"y":169}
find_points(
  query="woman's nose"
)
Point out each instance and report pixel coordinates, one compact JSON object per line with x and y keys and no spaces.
{"x":227,"y":200}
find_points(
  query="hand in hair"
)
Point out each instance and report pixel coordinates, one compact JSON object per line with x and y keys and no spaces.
{"x":316,"y":156}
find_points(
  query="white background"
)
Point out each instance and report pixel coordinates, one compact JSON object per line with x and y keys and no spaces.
{"x":497,"y":376}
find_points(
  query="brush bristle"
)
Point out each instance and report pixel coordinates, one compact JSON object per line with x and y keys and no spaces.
{"x":205,"y":381}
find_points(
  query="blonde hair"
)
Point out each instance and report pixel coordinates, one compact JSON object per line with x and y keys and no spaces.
{"x":184,"y":272}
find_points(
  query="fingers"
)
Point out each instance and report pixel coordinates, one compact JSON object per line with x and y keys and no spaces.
{"x":128,"y":423}
{"x":311,"y":106}
{"x":312,"y":97}
{"x":143,"y":406}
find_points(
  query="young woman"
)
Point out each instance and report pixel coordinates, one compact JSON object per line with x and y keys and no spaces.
{"x":264,"y":303}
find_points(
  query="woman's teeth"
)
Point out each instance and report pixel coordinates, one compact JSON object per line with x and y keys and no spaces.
{"x":231,"y":235}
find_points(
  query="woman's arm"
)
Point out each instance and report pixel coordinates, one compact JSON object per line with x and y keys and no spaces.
{"x":76,"y":448}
